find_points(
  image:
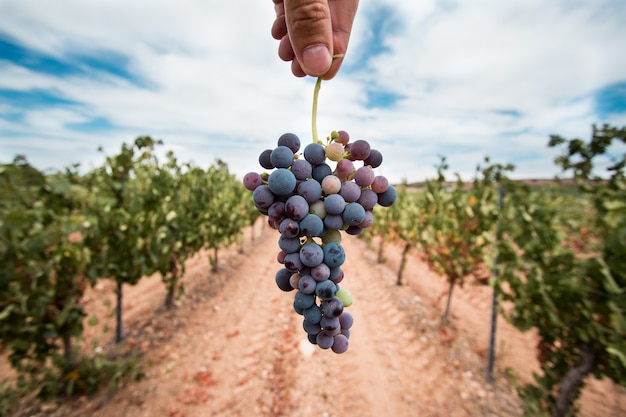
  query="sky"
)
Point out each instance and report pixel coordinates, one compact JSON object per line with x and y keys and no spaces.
{"x":421,"y":80}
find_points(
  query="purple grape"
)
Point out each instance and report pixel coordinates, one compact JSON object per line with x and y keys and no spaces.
{"x":252,"y":180}
{"x":334,"y":254}
{"x":263,"y":197}
{"x":289,"y":140}
{"x":289,"y":228}
{"x":280,"y":257}
{"x":368,"y":199}
{"x":344,"y":168}
{"x":314,"y":153}
{"x":281,"y":182}
{"x":303,"y":301}
{"x":330,"y":325}
{"x":311,"y":190}
{"x":350,"y":191}
{"x":320,"y":272}
{"x":264,"y":159}
{"x":311,"y":254}
{"x":298,"y":308}
{"x":276,"y":212}
{"x":307,"y":284}
{"x":359,"y":150}
{"x":292,"y":262}
{"x":332,"y":307}
{"x":296,"y":207}
{"x":364,"y":176}
{"x":289,"y":245}
{"x":325,"y":290}
{"x":281,"y":157}
{"x":311,"y":328}
{"x":334,"y":204}
{"x":271,"y":222}
{"x":375,"y":159}
{"x":346,"y":320}
{"x":335,"y":272}
{"x":387,"y":198}
{"x":321,"y":171}
{"x":282,"y":279}
{"x":354,"y":230}
{"x":340,"y":343}
{"x":333,"y":221}
{"x":367,"y":221}
{"x":353,"y":214}
{"x":338,"y":278}
{"x":342,"y":137}
{"x":324,"y":341}
{"x":311,"y":226}
{"x":313,"y":314}
{"x":301,"y":169}
{"x":380,"y":184}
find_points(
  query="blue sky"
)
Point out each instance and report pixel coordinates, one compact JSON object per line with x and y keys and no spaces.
{"x":421,"y":79}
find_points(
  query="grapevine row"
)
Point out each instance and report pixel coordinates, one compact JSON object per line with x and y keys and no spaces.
{"x":561,"y":254}
{"x":127,"y":219}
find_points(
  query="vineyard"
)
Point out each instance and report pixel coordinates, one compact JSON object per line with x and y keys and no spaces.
{"x":548,"y":260}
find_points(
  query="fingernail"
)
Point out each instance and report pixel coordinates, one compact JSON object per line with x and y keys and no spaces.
{"x":317,"y":60}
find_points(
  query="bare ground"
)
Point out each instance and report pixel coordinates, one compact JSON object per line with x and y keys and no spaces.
{"x":233,"y":346}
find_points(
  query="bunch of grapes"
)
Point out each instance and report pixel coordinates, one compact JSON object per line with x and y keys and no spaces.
{"x":309,"y":202}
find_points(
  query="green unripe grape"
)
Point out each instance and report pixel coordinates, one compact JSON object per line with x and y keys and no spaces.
{"x":318,"y":209}
{"x":335,"y":151}
{"x":331,"y":236}
{"x":345,"y":297}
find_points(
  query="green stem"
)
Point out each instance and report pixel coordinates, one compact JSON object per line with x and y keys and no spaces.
{"x":316,"y":93}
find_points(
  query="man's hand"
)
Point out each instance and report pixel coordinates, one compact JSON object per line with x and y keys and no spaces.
{"x":312,"y":32}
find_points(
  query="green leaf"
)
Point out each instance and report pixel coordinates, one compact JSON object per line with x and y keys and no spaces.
{"x":62,"y":317}
{"x":619,"y":354}
{"x":612,"y":205}
{"x":6,"y":312}
{"x":607,"y":278}
{"x":170,"y":216}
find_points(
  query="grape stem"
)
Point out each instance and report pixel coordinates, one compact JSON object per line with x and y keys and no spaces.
{"x":316,"y":93}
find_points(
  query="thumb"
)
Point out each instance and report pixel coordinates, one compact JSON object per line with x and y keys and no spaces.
{"x":310,"y":34}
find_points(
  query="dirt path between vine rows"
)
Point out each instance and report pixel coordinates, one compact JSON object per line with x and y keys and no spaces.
{"x":235,"y":347}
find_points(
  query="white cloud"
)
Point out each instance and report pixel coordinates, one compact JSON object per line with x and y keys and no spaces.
{"x":476,"y":78}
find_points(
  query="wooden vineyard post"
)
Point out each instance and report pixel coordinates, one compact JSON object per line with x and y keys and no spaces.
{"x":494,"y":301}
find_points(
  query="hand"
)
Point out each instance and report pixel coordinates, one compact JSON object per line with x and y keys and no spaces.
{"x":311,"y":32}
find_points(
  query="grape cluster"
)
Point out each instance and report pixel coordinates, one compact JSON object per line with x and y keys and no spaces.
{"x":309,"y":202}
